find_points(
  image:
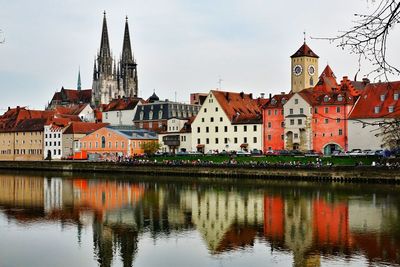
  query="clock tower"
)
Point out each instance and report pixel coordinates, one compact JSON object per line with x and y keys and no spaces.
{"x":304,"y":69}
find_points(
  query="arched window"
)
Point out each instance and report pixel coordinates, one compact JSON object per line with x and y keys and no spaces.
{"x":340,"y":98}
{"x":160,"y":114}
{"x":326,"y":98}
{"x":103,"y":142}
{"x":311,"y":81}
{"x":141,"y":115}
{"x":150,"y":115}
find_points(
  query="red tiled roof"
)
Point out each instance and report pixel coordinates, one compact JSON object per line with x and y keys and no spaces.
{"x":304,"y":51}
{"x":83,"y":127}
{"x":239,"y":107}
{"x":70,"y":110}
{"x":12,"y":117}
{"x":30,"y":125}
{"x":73,"y":96}
{"x":318,"y":98}
{"x":370,"y":105}
{"x":122,"y":104}
{"x":327,"y":81}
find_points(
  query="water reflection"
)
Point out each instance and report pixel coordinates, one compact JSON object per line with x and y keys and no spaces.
{"x":316,"y":224}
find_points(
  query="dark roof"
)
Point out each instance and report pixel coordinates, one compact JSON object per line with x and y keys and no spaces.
{"x":304,"y":51}
{"x":72,"y":96}
{"x":30,"y":125}
{"x":83,"y":127}
{"x":153,"y":98}
{"x":122,"y":104}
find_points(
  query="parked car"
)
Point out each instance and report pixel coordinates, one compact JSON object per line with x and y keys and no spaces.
{"x":379,"y":153}
{"x":336,"y":153}
{"x":212,"y":152}
{"x":195,"y":153}
{"x":296,"y":153}
{"x":242,"y":153}
{"x":283,"y":153}
{"x":369,"y":152}
{"x":356,"y":152}
{"x":182,"y":153}
{"x":271,"y":152}
{"x":256,"y":152}
{"x":312,"y":153}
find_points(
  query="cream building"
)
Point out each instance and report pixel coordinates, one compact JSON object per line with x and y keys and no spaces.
{"x":227,"y":121}
{"x":178,"y":136}
{"x":304,"y":68}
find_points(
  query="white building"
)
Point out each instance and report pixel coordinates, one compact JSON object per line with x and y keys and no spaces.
{"x":178,"y":136}
{"x":227,"y":121}
{"x":53,"y":141}
{"x":378,"y":103}
{"x":83,"y":111}
{"x":120,"y":111}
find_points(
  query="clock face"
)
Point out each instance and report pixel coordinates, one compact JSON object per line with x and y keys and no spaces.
{"x":311,"y":70}
{"x":297,"y":70}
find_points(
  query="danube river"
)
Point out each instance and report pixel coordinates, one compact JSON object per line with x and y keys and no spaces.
{"x":98,"y":220}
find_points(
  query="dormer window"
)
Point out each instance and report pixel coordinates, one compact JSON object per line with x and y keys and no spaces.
{"x":273,"y":101}
{"x":377,"y":109}
{"x":326,"y":98}
{"x":296,"y":101}
{"x":339,"y":98}
{"x":382,"y":98}
{"x":284,"y":101}
{"x":391,"y":109}
{"x":396,"y":96}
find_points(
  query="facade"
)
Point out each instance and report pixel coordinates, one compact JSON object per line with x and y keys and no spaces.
{"x":111,"y":79}
{"x":154,"y":114}
{"x":121,"y":111}
{"x":79,"y":112}
{"x":227,"y":121}
{"x":198,"y":98}
{"x":274,"y":123}
{"x":379,"y":103}
{"x":178,"y":137}
{"x":70,"y":97}
{"x":53,"y":141}
{"x":110,"y":143}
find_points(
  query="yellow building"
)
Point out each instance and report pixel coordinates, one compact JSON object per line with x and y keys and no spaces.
{"x":304,"y":69}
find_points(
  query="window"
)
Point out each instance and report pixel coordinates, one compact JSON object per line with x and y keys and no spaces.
{"x":207,"y":141}
{"x":377,"y":109}
{"x":212,"y":119}
{"x":391,"y":109}
{"x":216,"y":129}
{"x":326,"y":110}
{"x":216,"y":140}
{"x":103,"y":142}
{"x":276,"y":112}
{"x":109,"y":144}
{"x":255,"y":128}
{"x":326,"y":121}
{"x":150,"y":115}
{"x":301,"y":111}
{"x":116,"y":144}
{"x":340,"y":98}
{"x":269,"y":124}
{"x":315,"y":110}
{"x":207,"y":129}
{"x":141,"y":115}
{"x":205,"y":110}
{"x":296,"y":101}
{"x":45,"y":135}
{"x":235,"y":140}
{"x":245,"y":128}
{"x":338,"y":109}
{"x":160,"y":114}
{"x":225,"y":140}
{"x":269,"y":112}
{"x":202,"y":119}
{"x":292,"y":122}
{"x":326,"y":98}
{"x":296,"y":135}
{"x":269,"y":137}
{"x":299,"y":121}
{"x":282,"y":137}
{"x":225,"y":128}
{"x":59,"y":152}
{"x":198,"y":141}
{"x":245,"y":140}
{"x":338,"y":120}
{"x":323,"y":135}
{"x":282,"y":124}
{"x":198,"y":129}
{"x":255,"y":140}
{"x":382,"y":98}
{"x":216,"y":109}
{"x":235,"y":128}
{"x":396,"y":96}
{"x":340,"y":132}
{"x":221,"y":119}
{"x":291,"y":111}
{"x":55,"y":152}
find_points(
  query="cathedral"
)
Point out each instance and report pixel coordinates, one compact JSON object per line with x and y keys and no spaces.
{"x":112,"y":79}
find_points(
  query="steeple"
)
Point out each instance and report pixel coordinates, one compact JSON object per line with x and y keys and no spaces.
{"x":104,"y":44}
{"x":126,"y":48}
{"x":79,"y":87}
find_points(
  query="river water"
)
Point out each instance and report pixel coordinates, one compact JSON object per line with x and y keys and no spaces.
{"x":99,"y":220}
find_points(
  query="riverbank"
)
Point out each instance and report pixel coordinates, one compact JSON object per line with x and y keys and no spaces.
{"x":351,"y":174}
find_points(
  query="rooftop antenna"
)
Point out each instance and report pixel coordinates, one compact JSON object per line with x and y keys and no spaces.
{"x":304,"y":33}
{"x":220,"y":83}
{"x":175,"y":96}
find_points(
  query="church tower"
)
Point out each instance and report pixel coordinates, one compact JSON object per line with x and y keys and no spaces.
{"x":105,"y":84}
{"x":304,"y":68}
{"x":128,"y":70}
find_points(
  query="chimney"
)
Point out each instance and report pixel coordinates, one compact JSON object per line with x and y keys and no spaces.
{"x":9,"y":108}
{"x":262,"y":95}
{"x":251,"y":96}
{"x":270,"y":96}
{"x":241,"y":94}
{"x":365,"y":81}
{"x":282,"y":93}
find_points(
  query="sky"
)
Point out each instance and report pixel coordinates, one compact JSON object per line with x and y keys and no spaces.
{"x":181,"y":46}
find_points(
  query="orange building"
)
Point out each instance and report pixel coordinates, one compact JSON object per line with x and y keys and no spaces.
{"x":274,"y":122}
{"x":113,"y":142}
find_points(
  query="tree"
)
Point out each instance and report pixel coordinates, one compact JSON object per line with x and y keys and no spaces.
{"x":368,"y":38}
{"x":390,"y":133}
{"x":151,"y":147}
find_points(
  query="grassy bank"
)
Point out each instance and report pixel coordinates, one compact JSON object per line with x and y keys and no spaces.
{"x":338,"y":161}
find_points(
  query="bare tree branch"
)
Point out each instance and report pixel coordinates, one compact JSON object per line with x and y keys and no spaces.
{"x":368,"y":38}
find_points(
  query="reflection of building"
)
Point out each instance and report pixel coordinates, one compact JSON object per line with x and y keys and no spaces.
{"x":219,"y":216}
{"x":17,"y":191}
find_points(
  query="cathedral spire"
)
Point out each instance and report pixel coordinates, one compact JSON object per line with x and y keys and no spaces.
{"x":104,"y":45}
{"x":79,"y":87}
{"x":126,"y":48}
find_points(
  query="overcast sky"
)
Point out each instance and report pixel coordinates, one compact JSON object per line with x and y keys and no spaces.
{"x":179,"y":45}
